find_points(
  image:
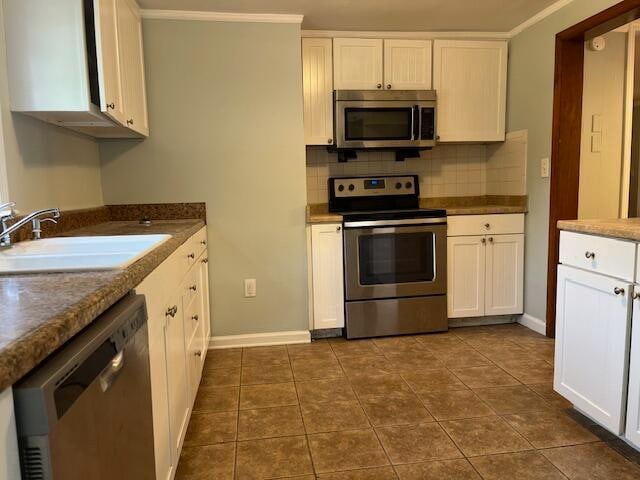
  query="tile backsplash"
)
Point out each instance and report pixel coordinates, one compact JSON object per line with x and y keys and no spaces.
{"x":444,"y":171}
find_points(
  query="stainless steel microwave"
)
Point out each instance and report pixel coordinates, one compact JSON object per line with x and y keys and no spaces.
{"x":385,"y":119}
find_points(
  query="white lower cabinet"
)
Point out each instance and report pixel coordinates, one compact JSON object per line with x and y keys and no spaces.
{"x":485,"y":272}
{"x":9,"y":463}
{"x":177,"y":296}
{"x":327,"y":276}
{"x":593,"y":324}
{"x":632,"y":430}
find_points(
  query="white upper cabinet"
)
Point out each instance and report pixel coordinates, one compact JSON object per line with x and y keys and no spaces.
{"x":317,"y":81}
{"x":62,"y":74}
{"x":132,"y":62}
{"x":407,"y":64}
{"x":108,"y":56}
{"x":470,"y":78}
{"x":593,"y":314}
{"x":357,"y":63}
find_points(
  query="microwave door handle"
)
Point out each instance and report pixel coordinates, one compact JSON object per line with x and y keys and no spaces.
{"x":415,"y":120}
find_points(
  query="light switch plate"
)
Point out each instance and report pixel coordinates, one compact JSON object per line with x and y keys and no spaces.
{"x":544,"y":168}
{"x":249,"y":287}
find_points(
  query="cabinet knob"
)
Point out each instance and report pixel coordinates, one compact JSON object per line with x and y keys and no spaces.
{"x":130,"y":121}
{"x":591,"y":255}
{"x":487,"y":226}
{"x":203,"y":242}
{"x":635,"y":295}
{"x":379,"y":85}
{"x":111,"y":105}
{"x":330,"y":141}
{"x":389,"y":86}
{"x":338,"y":228}
{"x":490,"y":239}
{"x":193,"y":288}
{"x":483,"y":240}
{"x":198,"y":353}
{"x":172,"y":311}
{"x":191,"y":255}
{"x":205,"y":260}
{"x":618,"y":291}
{"x":195,"y":317}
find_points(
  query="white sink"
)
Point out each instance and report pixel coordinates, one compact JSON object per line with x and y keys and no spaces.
{"x":73,"y":254}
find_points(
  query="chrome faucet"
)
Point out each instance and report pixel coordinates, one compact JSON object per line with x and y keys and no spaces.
{"x":8,"y":213}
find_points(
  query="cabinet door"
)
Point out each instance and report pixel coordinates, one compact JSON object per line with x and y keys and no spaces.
{"x":592,"y":338}
{"x":466,"y":276}
{"x":153,"y":289}
{"x":471,"y":79}
{"x":504,"y":281}
{"x":328,"y":278}
{"x":177,"y":374}
{"x":632,"y":431}
{"x":108,"y":51}
{"x":132,"y":65}
{"x":205,"y":302}
{"x":317,"y":80}
{"x":357,"y":63}
{"x":9,"y":463}
{"x":407,"y":64}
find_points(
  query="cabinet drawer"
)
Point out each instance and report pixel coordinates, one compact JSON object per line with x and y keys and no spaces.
{"x":460,"y":225}
{"x":607,"y":256}
{"x":199,"y":241}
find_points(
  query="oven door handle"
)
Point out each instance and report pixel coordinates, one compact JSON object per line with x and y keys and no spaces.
{"x":396,"y":223}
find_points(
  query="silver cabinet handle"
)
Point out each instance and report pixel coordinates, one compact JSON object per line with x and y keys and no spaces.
{"x":379,"y":85}
{"x":193,"y":288}
{"x":172,"y":311}
{"x":591,"y":255}
{"x":483,"y":240}
{"x":191,"y":255}
{"x":618,"y":291}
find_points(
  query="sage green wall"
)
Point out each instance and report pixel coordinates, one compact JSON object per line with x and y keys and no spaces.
{"x":47,"y":166}
{"x":529,"y":106}
{"x":225,"y":115}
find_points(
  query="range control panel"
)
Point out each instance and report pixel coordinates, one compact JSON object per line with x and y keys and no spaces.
{"x":374,"y":186}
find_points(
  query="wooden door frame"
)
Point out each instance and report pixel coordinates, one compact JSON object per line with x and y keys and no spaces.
{"x":567,"y":127}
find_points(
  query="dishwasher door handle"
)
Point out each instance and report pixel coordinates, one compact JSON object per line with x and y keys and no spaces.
{"x":110,"y":373}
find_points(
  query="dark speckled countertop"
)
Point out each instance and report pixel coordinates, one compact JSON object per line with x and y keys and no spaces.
{"x":40,"y":312}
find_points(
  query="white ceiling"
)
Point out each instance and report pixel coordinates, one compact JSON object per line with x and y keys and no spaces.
{"x":379,"y":15}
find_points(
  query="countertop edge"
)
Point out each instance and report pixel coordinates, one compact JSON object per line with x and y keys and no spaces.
{"x":621,"y":232}
{"x":42,"y":341}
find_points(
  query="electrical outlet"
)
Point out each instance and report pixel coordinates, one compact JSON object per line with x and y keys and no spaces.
{"x":544,"y":168}
{"x":249,"y":287}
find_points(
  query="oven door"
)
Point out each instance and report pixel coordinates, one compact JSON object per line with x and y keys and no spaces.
{"x":392,"y":261}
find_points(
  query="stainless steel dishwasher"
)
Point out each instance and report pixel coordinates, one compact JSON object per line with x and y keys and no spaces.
{"x":85,"y":413}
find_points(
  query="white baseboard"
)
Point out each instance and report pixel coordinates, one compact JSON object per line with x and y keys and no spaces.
{"x":260,"y":339}
{"x":533,"y":323}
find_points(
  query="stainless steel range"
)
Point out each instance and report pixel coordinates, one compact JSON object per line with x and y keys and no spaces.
{"x":395,"y":257}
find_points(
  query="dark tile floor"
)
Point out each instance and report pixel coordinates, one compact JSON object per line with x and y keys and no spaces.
{"x":473,"y":403}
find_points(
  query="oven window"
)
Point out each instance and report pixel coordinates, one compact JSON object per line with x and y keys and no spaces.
{"x":396,"y":258}
{"x":377,"y":124}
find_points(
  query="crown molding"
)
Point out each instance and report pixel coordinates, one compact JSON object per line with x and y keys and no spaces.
{"x":404,"y":35}
{"x":220,"y":16}
{"x":541,"y":15}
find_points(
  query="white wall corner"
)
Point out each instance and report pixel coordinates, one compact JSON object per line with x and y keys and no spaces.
{"x":260,"y":339}
{"x":533,"y":323}
{"x":541,"y":15}
{"x":220,"y":16}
